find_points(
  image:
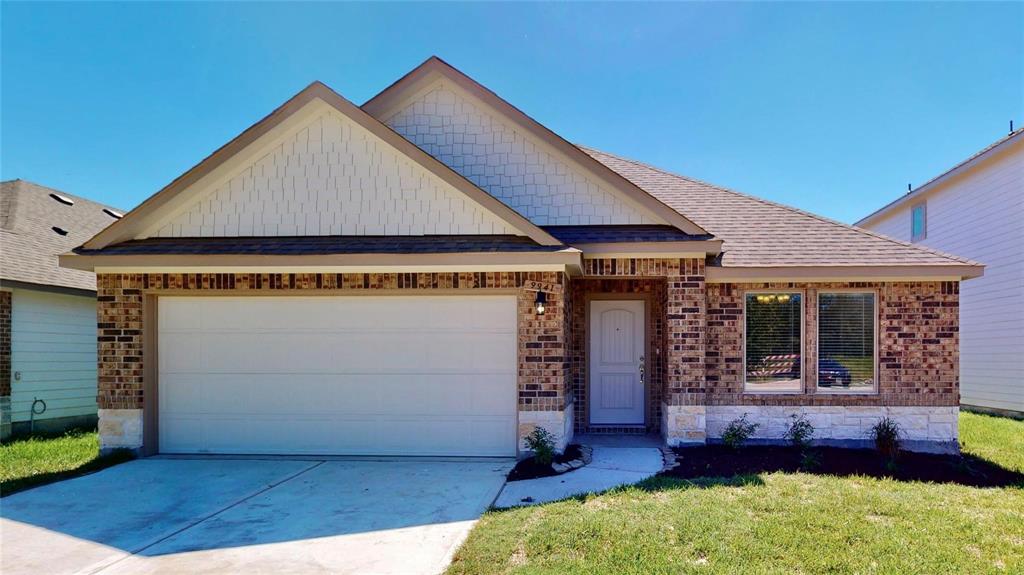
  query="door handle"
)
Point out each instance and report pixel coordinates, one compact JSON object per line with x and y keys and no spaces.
{"x":642,"y":370}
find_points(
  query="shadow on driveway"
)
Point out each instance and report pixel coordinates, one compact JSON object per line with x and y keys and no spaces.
{"x":180,"y":507}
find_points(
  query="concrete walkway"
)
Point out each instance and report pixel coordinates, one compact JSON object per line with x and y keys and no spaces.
{"x":616,"y":461}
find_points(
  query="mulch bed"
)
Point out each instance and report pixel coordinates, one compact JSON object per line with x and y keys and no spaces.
{"x":722,"y":461}
{"x":530,"y":469}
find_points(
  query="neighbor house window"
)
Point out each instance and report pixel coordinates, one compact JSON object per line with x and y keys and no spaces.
{"x":918,"y":223}
{"x":773,"y":351}
{"x":846,"y":341}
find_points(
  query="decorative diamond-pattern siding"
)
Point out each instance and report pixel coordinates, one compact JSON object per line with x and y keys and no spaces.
{"x":333,"y":177}
{"x":502,"y":160}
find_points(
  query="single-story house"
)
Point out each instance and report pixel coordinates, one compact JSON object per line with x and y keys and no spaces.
{"x":976,"y":209}
{"x":436,"y":273}
{"x":47,"y":313}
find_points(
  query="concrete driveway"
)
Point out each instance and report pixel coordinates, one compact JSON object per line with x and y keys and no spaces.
{"x":162,"y":515}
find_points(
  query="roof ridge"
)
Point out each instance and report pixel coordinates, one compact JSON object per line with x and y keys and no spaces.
{"x":867,"y":232}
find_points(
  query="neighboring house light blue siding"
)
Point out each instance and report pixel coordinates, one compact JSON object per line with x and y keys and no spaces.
{"x":978,"y":213}
{"x":53,"y":357}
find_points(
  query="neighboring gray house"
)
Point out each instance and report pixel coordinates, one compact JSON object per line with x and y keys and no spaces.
{"x":47,"y":313}
{"x":976,"y":210}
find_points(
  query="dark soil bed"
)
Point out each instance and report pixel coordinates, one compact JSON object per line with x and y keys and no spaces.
{"x":530,"y":469}
{"x":722,"y":461}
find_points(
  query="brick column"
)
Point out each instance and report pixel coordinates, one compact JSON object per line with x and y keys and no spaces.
{"x":119,"y":383}
{"x":683,"y":412}
{"x":545,"y":399}
{"x":5,"y":364}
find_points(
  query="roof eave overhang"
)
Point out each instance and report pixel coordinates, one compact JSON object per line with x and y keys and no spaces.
{"x":618,"y":250}
{"x":715,"y":274}
{"x":567,"y":260}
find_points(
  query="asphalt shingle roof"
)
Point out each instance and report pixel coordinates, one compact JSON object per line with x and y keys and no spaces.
{"x":759,"y":233}
{"x":29,"y":244}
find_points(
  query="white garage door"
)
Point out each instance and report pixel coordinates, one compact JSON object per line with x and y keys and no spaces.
{"x":419,"y":375}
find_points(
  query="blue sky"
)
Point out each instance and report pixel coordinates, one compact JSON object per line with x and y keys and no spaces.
{"x":832,"y":108}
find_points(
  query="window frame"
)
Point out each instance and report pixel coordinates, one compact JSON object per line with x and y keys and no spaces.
{"x":923,"y":206}
{"x":817,"y":343}
{"x":803,"y":343}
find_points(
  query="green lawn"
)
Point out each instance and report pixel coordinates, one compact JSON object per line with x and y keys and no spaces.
{"x":33,"y":461}
{"x":771,"y":523}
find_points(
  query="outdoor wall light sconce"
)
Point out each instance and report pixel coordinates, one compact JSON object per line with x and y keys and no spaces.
{"x":542,"y":298}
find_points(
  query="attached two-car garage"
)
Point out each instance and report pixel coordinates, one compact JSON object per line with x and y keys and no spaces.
{"x":352,"y":375}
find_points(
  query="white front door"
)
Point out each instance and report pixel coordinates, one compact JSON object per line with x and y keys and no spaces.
{"x":616,"y":362}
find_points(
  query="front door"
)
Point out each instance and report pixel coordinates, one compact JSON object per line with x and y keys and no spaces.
{"x":617,"y":362}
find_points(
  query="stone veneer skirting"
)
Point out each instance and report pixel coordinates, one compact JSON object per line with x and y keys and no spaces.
{"x":558,"y":423}
{"x":925,"y":428}
{"x":120,"y":429}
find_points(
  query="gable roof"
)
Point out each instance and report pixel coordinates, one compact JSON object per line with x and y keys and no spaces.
{"x":994,"y":148}
{"x":29,"y":242}
{"x":758,"y":233}
{"x":150,"y":210}
{"x":384,"y":104}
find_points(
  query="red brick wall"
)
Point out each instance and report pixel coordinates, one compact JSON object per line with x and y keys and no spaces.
{"x":654,"y":290}
{"x":918,"y":347}
{"x":543,"y":365}
{"x":682,"y":360}
{"x":5,"y":343}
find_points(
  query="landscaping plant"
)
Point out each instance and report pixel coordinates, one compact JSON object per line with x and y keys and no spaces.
{"x":800,"y":432}
{"x":542,"y":444}
{"x":886,"y":434}
{"x":738,"y":432}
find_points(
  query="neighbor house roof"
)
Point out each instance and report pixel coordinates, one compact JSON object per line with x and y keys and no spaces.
{"x":38,"y":223}
{"x":1012,"y":138}
{"x":757,"y":233}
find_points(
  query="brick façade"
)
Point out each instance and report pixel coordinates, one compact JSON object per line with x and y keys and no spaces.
{"x":695,"y":330}
{"x":917,"y":348}
{"x":543,"y":368}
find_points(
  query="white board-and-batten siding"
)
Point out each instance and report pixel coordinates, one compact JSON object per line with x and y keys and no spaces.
{"x":508,"y":163}
{"x":979,"y":214}
{"x":53,"y":353}
{"x":332,"y":177}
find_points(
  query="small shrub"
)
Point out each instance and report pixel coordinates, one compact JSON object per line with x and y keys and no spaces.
{"x":800,"y":432}
{"x":886,"y":434}
{"x":738,"y":432}
{"x":542,"y":444}
{"x":810,"y":460}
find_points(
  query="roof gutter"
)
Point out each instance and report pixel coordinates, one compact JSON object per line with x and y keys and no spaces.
{"x":716,"y":274}
{"x":568,"y":260}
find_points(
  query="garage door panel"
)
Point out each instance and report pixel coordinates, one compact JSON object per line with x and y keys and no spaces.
{"x":341,"y":375}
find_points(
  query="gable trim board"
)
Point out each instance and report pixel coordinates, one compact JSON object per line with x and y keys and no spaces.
{"x":261,"y":136}
{"x":423,"y":78}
